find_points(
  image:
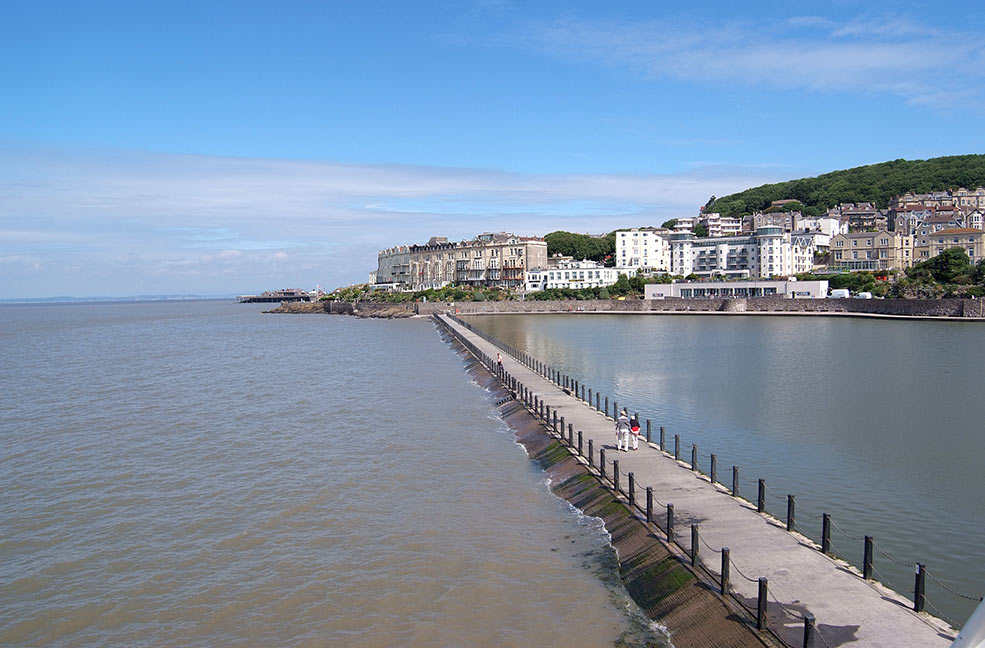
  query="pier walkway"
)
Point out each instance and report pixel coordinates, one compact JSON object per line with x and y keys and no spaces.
{"x":802,"y":581}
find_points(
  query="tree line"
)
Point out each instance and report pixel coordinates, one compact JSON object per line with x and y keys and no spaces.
{"x":875,"y":183}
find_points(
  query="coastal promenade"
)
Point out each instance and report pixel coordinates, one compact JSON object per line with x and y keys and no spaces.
{"x":801,"y":580}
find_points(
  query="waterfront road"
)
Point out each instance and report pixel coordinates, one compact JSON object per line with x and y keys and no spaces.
{"x":801,"y":579}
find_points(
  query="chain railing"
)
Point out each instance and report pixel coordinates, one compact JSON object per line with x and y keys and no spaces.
{"x":684,"y":457}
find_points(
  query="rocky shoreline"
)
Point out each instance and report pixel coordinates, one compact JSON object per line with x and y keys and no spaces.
{"x":358,"y":309}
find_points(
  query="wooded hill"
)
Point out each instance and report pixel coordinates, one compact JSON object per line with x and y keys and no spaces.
{"x":875,"y":183}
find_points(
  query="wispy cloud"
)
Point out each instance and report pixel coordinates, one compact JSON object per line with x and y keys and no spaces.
{"x":126,"y":223}
{"x":890,"y":55}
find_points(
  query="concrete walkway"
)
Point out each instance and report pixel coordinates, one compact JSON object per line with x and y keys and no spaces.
{"x":848,"y":610}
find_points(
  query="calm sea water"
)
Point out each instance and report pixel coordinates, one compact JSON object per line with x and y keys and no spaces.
{"x":877,"y":422}
{"x":201,"y":474}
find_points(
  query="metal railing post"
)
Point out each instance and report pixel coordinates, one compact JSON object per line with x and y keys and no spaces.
{"x":632,"y":490}
{"x":918,"y":588}
{"x":694,"y":545}
{"x":825,"y":533}
{"x":648,"y":428}
{"x":670,"y":523}
{"x":809,"y":631}
{"x":591,"y":454}
{"x":694,"y":457}
{"x":791,"y":511}
{"x":761,"y":501}
{"x":649,"y":505}
{"x":867,"y":559}
{"x":761,"y":605}
{"x":714,"y":468}
{"x":735,"y":481}
{"x":726,"y":564}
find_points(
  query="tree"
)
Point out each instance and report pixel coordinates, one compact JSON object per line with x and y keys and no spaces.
{"x":947,"y":267}
{"x":669,"y":224}
{"x":876,"y":183}
{"x":621,"y":287}
{"x":580,"y":246}
{"x":979,"y":275}
{"x":604,"y":293}
{"x":700,"y":230}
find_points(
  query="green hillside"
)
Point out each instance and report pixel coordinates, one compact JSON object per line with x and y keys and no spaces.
{"x":876,"y":183}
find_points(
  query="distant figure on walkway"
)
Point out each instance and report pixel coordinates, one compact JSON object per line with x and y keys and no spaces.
{"x":634,"y":431}
{"x":622,"y":432}
{"x":499,"y":360}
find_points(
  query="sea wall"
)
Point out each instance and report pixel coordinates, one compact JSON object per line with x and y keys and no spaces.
{"x":655,"y":575}
{"x":954,"y":308}
{"x":949,"y":308}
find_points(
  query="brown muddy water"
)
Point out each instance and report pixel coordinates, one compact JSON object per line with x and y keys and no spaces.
{"x":201,"y":474}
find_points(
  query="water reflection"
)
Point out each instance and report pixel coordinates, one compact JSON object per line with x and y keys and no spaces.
{"x":874,"y":421}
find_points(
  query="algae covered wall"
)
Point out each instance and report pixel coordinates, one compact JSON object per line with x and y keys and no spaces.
{"x":655,"y":576}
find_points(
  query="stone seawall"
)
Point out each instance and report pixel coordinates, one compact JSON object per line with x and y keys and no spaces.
{"x":951,"y":308}
{"x":937,"y":308}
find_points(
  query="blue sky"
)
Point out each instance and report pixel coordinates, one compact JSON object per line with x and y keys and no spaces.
{"x":220,"y":147}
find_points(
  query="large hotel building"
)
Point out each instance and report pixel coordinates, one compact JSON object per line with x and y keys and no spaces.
{"x":492,"y":259}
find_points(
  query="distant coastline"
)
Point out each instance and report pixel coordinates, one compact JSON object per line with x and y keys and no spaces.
{"x":97,"y":300}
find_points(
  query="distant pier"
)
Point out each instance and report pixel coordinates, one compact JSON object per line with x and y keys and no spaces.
{"x":276,"y":296}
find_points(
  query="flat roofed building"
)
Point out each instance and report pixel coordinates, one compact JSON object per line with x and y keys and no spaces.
{"x":574,"y":275}
{"x":718,"y":225}
{"x":767,"y":253}
{"x":711,"y":289}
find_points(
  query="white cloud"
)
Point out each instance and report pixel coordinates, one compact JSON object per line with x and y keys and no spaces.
{"x":140,"y":223}
{"x":883,"y":55}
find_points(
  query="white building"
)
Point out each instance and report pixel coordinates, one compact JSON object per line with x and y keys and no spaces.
{"x":574,"y":275}
{"x":707,"y":289}
{"x":685,"y":224}
{"x":825,"y":224}
{"x":719,"y":225}
{"x":644,"y":248}
{"x":767,"y":253}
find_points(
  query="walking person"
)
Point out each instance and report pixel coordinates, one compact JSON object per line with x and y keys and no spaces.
{"x":622,"y":432}
{"x":499,"y":363}
{"x":634,"y":432}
